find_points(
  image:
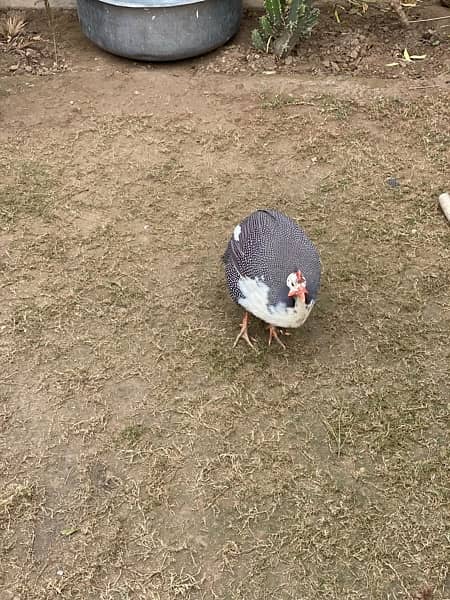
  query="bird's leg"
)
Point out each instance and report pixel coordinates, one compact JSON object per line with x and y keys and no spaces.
{"x":244,"y":332}
{"x":274,"y":335}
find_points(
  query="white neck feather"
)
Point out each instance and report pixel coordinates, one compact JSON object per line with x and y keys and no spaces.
{"x":256,"y":302}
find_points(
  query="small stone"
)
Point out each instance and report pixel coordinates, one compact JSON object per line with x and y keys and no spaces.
{"x":393,"y":182}
{"x":444,"y":203}
{"x":288,"y":60}
{"x":13,"y":67}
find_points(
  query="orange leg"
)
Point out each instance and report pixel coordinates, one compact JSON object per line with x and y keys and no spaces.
{"x":274,"y":335}
{"x":244,"y":332}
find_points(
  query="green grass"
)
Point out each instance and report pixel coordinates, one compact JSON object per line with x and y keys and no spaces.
{"x":132,"y":434}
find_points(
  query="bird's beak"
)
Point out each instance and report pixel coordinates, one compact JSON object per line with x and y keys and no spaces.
{"x":300,"y":291}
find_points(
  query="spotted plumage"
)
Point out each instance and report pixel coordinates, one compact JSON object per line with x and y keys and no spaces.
{"x":264,"y":250}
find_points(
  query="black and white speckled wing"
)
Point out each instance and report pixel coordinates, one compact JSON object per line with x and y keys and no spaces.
{"x":268,"y":245}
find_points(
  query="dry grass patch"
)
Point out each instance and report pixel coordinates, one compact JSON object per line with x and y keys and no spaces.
{"x":163,"y":463}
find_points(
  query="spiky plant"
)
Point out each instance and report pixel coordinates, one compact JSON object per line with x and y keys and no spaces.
{"x":285,"y":23}
{"x":11,"y":26}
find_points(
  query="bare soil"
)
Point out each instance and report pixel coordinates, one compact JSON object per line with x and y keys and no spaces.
{"x":141,"y":457}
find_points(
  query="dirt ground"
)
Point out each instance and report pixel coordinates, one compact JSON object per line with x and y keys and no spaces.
{"x":141,"y":457}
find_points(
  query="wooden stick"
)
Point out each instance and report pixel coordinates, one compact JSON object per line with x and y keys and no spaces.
{"x":433,"y":19}
{"x":423,"y":87}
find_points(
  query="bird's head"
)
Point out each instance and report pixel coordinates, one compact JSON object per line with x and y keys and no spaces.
{"x":297,"y":286}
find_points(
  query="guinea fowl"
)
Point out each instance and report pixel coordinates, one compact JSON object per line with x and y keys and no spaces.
{"x":273,"y":271}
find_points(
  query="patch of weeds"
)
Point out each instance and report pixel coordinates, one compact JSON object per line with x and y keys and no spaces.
{"x":155,"y":491}
{"x":439,"y":138}
{"x":434,"y":285}
{"x":29,"y":191}
{"x":339,"y":108}
{"x":386,"y":107}
{"x":27,"y":320}
{"x":31,"y":320}
{"x":223,"y":362}
{"x":229,"y":362}
{"x":15,"y":500}
{"x":132,"y":434}
{"x":331,"y":186}
{"x":278,"y":100}
{"x":169,"y":169}
{"x":183,"y":584}
{"x":123,"y":296}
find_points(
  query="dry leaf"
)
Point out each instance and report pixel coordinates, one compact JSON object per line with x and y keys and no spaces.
{"x":406,"y":55}
{"x":69,"y":531}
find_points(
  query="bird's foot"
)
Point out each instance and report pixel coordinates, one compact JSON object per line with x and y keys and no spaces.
{"x":273,"y":335}
{"x":244,"y":333}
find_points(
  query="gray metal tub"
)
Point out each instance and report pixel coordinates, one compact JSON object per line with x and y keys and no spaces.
{"x":159,"y":30}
